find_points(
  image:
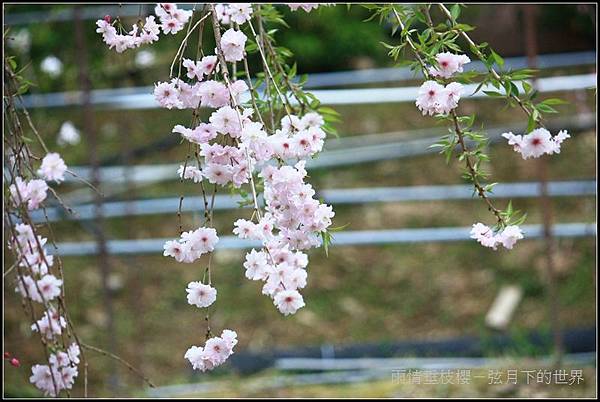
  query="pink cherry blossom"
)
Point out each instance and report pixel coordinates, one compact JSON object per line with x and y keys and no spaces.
{"x":288,"y":301}
{"x":53,"y":168}
{"x":256,"y":265}
{"x":207,"y":64}
{"x":190,"y":173}
{"x":536,"y":143}
{"x":428,"y":97}
{"x":213,"y":94}
{"x":194,"y":70}
{"x":448,"y":64}
{"x":201,"y":295}
{"x":167,"y":95}
{"x":240,"y":12}
{"x":233,"y":43}
{"x":214,"y":353}
{"x":223,"y":15}
{"x":51,"y":324}
{"x":509,"y":236}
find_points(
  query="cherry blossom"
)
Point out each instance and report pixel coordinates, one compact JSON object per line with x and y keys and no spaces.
{"x":191,"y":173}
{"x":167,"y":95}
{"x":240,"y":12}
{"x":214,"y":353}
{"x":33,"y":192}
{"x":192,"y":245}
{"x":488,"y":238}
{"x":194,"y":70}
{"x":510,"y":235}
{"x":201,"y":295}
{"x":172,"y":20}
{"x":41,"y":377}
{"x":434,"y":98}
{"x":308,"y":7}
{"x":448,"y":64}
{"x":288,"y":301}
{"x":233,"y":43}
{"x":49,"y":287}
{"x":213,"y":94}
{"x":257,"y":267}
{"x":53,"y":168}
{"x":201,"y":134}
{"x":50,"y":324}
{"x":537,"y":143}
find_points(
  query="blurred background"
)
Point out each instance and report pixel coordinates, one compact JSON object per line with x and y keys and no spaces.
{"x":401,"y":281}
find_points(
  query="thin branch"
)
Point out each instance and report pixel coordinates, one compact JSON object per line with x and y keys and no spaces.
{"x":184,"y":42}
{"x":120,"y":360}
{"x":491,"y":69}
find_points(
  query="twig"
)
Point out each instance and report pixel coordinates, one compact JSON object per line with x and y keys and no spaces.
{"x":490,"y":68}
{"x":184,"y":42}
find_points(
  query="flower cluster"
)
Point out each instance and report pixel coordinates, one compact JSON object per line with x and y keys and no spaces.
{"x":536,"y":143}
{"x":38,"y":284}
{"x":172,"y":20}
{"x":32,"y":192}
{"x":225,"y":164}
{"x":231,"y":147}
{"x":237,"y":13}
{"x":191,"y":245}
{"x":179,"y":94}
{"x":293,"y":222}
{"x":434,"y":98}
{"x":61,"y":372}
{"x":201,"y":68}
{"x":214,"y":353}
{"x":488,"y":238}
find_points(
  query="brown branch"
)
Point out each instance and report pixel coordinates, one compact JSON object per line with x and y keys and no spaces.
{"x":120,"y":360}
{"x":473,"y":172}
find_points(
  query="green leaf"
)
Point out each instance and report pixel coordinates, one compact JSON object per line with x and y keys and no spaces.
{"x":292,"y":71}
{"x":455,"y":11}
{"x":554,"y":101}
{"x":530,"y":123}
{"x":499,"y":60}
{"x":493,"y":94}
{"x":545,"y":108}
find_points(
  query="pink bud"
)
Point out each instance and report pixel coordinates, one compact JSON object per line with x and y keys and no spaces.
{"x":15,"y":362}
{"x":6,"y":355}
{"x":107,"y":18}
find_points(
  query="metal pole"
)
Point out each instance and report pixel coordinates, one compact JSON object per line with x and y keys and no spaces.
{"x":531,"y":47}
{"x":91,"y":134}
